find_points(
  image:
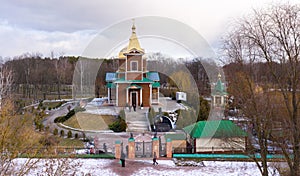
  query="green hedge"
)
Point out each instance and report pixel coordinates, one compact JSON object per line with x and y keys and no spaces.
{"x":62,"y":119}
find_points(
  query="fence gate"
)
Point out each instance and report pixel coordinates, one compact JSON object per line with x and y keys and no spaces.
{"x":162,"y":149}
{"x":143,"y":149}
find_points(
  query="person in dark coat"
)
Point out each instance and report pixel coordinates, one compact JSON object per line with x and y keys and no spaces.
{"x":154,"y":159}
{"x":122,"y":159}
{"x":134,"y":107}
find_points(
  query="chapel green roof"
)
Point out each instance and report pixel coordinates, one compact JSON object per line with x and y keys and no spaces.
{"x":110,"y":85}
{"x":144,"y":80}
{"x":219,"y":87}
{"x":214,"y":128}
{"x":156,"y":85}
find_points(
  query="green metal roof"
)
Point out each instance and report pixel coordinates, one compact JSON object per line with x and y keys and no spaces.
{"x":111,"y":85}
{"x":156,"y":84}
{"x":180,"y":136}
{"x":219,"y":88}
{"x":214,"y":128}
{"x":144,"y":80}
{"x":189,"y":129}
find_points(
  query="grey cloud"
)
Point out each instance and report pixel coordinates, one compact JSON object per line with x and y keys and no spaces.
{"x":67,"y":15}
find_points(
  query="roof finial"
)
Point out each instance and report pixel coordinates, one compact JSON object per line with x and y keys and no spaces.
{"x":133,"y":26}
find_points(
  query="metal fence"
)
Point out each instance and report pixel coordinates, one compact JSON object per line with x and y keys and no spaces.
{"x":179,"y":150}
{"x":143,"y":149}
{"x":162,"y":149}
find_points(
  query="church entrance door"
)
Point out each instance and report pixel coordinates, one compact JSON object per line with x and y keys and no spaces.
{"x":133,"y":97}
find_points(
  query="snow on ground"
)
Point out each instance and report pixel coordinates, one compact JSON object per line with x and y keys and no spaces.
{"x":99,"y":110}
{"x":144,"y":167}
{"x":210,"y":168}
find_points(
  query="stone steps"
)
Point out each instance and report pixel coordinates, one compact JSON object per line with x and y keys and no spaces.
{"x":136,"y":121}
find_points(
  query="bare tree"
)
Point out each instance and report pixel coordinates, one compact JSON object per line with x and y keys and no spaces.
{"x":6,"y":81}
{"x":273,"y":36}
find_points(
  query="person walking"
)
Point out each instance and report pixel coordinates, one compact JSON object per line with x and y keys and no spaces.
{"x":122,"y":159}
{"x":154,"y":159}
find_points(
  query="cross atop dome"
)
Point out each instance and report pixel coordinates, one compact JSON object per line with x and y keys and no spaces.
{"x":133,"y":26}
{"x":134,"y":44}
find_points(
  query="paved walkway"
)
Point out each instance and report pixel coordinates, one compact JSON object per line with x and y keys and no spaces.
{"x":63,"y":110}
{"x":137,"y":122}
{"x":167,"y":105}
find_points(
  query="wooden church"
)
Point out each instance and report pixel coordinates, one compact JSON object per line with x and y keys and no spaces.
{"x":132,"y":84}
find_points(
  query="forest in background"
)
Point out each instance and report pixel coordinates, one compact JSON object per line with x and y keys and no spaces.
{"x":36,"y":78}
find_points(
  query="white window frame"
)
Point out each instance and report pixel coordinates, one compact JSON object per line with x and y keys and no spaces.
{"x":131,"y":65}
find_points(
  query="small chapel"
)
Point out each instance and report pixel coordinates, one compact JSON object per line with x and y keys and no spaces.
{"x":132,"y":84}
{"x":219,"y":94}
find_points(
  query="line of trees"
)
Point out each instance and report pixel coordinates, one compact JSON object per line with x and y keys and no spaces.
{"x":36,"y":77}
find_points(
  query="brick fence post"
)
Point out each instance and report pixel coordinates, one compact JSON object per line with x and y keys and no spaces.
{"x":131,"y":148}
{"x":169,"y":148}
{"x":155,"y":147}
{"x":118,"y":149}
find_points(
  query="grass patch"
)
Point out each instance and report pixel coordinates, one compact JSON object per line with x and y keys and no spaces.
{"x":105,"y":155}
{"x":88,"y":121}
{"x":72,"y":122}
{"x":66,"y":142}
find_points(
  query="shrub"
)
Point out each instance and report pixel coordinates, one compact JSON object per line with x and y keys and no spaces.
{"x":76,"y":135}
{"x":59,"y":119}
{"x":62,"y":133}
{"x":40,"y":105}
{"x":72,"y":112}
{"x":40,"y":126}
{"x":55,"y":131}
{"x":166,"y":114}
{"x":62,"y":119}
{"x":69,"y":134}
{"x":118,"y":126}
{"x":85,"y":139}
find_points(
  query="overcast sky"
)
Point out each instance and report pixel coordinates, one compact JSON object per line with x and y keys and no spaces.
{"x":67,"y":26}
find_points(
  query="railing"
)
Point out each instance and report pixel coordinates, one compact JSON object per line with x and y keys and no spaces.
{"x":208,"y":150}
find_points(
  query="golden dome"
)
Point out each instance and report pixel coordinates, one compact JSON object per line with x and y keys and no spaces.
{"x":133,"y":45}
{"x":121,"y":53}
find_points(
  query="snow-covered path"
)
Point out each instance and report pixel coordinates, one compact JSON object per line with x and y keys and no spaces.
{"x":106,"y":167}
